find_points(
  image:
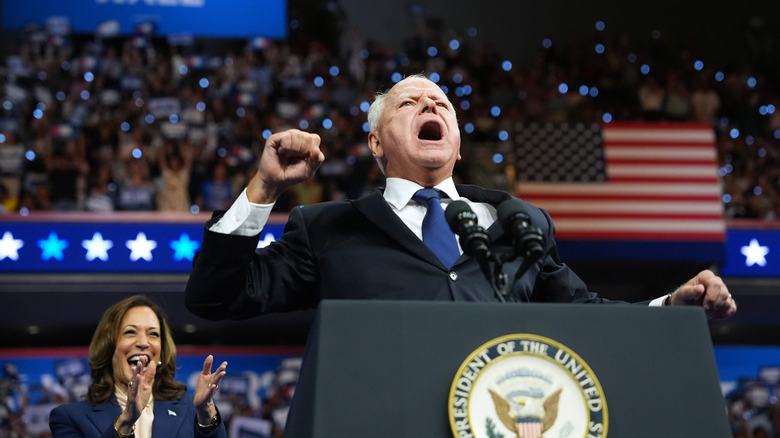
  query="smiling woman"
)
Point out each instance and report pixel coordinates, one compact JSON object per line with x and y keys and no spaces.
{"x":132,"y":360}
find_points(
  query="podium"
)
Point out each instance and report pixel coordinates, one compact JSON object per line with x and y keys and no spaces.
{"x":387,"y":368}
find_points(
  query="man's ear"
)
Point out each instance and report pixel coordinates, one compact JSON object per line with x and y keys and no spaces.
{"x":375,"y":145}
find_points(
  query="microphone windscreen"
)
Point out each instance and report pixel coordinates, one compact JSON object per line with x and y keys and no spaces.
{"x":454,"y":213}
{"x":511,"y":210}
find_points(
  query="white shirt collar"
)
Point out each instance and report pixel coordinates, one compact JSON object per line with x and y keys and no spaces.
{"x":398,"y":191}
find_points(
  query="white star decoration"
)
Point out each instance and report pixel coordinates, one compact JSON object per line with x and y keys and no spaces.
{"x":9,"y":247}
{"x":266,"y":240}
{"x":755,"y":254}
{"x":141,"y":248}
{"x":97,"y":248}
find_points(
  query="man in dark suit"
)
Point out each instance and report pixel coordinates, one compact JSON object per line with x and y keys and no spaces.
{"x":372,"y":247}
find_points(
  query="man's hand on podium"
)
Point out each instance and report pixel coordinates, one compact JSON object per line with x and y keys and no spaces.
{"x":708,"y":291}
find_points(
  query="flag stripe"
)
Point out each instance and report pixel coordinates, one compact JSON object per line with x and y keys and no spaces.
{"x":661,"y":183}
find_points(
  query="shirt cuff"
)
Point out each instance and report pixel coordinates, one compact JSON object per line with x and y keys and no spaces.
{"x":658,"y":302}
{"x":244,"y":218}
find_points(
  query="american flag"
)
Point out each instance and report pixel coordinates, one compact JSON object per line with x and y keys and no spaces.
{"x":623,"y":181}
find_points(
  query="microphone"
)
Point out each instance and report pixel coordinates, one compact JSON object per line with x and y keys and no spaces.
{"x":463,"y":222}
{"x":527,"y":239}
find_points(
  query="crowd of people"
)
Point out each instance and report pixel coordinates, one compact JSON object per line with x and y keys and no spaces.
{"x":143,"y":123}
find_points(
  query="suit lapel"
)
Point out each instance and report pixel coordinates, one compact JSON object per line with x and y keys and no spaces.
{"x":104,"y":414}
{"x":171,"y":413}
{"x":375,"y":208}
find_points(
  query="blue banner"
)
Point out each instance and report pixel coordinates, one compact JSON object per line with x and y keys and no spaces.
{"x":28,"y":246}
{"x":752,"y":253}
{"x":202,"y":18}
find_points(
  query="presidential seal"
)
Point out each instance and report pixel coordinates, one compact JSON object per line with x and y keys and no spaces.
{"x":526,"y":386}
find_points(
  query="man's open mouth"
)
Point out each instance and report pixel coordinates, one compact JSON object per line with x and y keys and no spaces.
{"x":430,"y":131}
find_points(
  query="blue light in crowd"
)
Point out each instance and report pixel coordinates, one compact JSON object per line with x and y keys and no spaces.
{"x":563,"y":88}
{"x":241,"y":112}
{"x":468,"y":128}
{"x":7,"y":105}
{"x":761,"y":152}
{"x":734,"y":133}
{"x":318,"y":81}
{"x":724,"y":122}
{"x":498,"y":158}
{"x":173,"y":118}
{"x":203,"y":82}
{"x":66,"y":65}
{"x":42,"y":76}
{"x":84,"y":95}
{"x":200,"y":106}
{"x":606,"y":117}
{"x":149,"y":119}
{"x":432,"y":51}
{"x":599,"y":48}
{"x":353,"y":110}
{"x":631,"y":57}
{"x":719,"y":76}
{"x":467,"y":90}
{"x":725,"y":170}
{"x":495,"y":111}
{"x":30,"y":155}
{"x":644,"y":69}
{"x":2,"y":138}
{"x":777,"y":134}
{"x":752,"y":82}
{"x":38,"y":114}
{"x":698,"y":65}
{"x":334,"y":70}
{"x":766,"y":109}
{"x":183,"y":69}
{"x":757,"y":190}
{"x":60,"y":96}
{"x":465,"y":105}
{"x":454,"y":44}
{"x":726,"y":198}
{"x":396,"y":77}
{"x":472,"y":31}
{"x":137,"y":153}
{"x":124,"y":126}
{"x":546,"y":43}
{"x":584,"y":90}
{"x":365,"y":127}
{"x":503,"y":135}
{"x":363,"y":53}
{"x":459,"y":91}
{"x":435,"y":77}
{"x":594,"y":91}
{"x":221,"y":152}
{"x":303,"y":124}
{"x":749,"y":140}
{"x":266,"y":133}
{"x":457,"y":78}
{"x":89,"y":76}
{"x":364,"y":106}
{"x":506,"y":65}
{"x":194,"y":209}
{"x":445,"y":89}
{"x":327,"y":123}
{"x":600,"y":25}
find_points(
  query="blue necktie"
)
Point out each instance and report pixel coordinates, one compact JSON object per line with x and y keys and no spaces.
{"x":436,"y":233}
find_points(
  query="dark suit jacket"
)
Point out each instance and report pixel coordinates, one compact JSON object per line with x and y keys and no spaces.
{"x":172,"y":419}
{"x":360,"y":249}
